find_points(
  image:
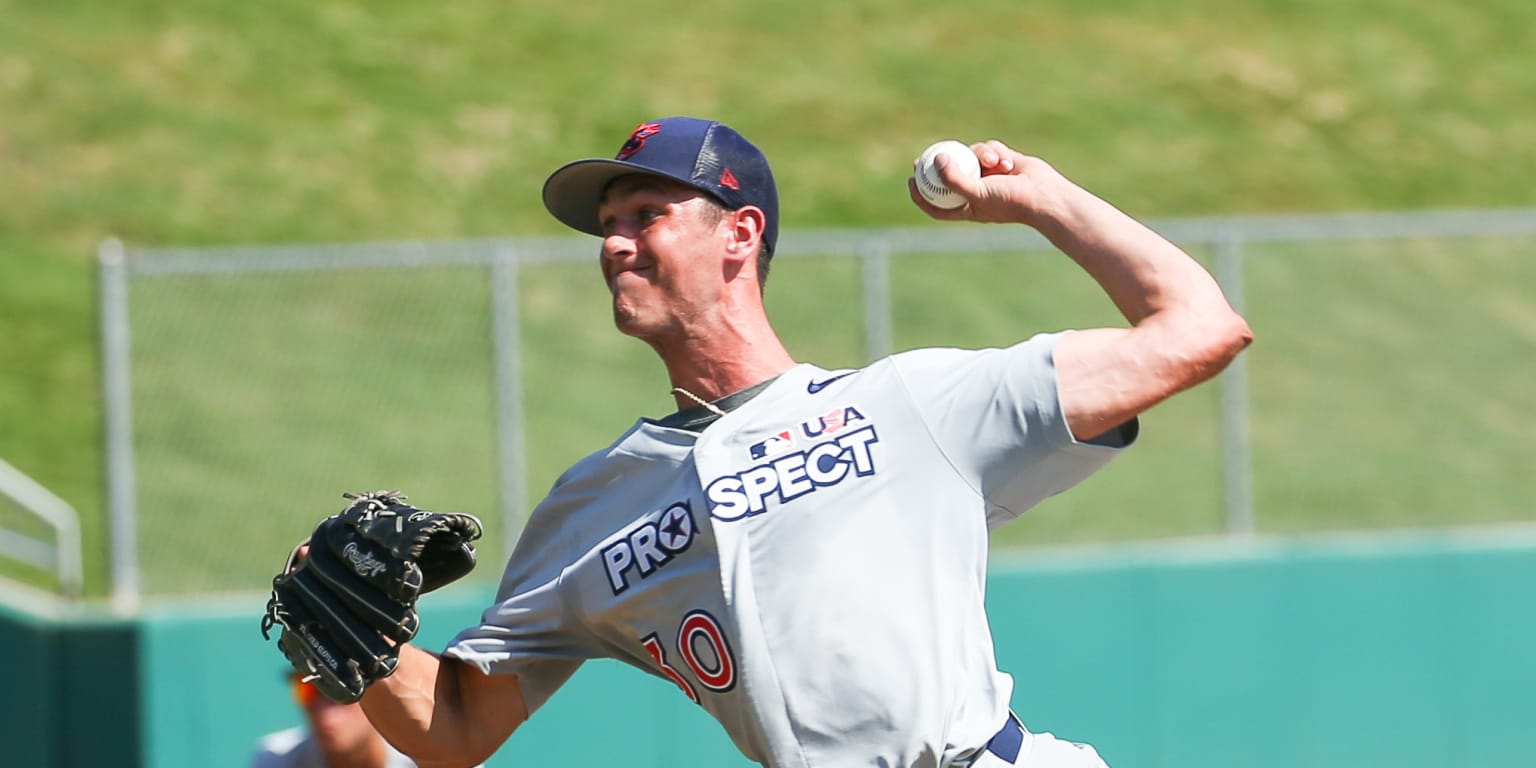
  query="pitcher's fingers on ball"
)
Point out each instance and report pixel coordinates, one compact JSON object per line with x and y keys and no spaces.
{"x":959,"y":168}
{"x":946,"y":214}
{"x":995,"y":157}
{"x":948,"y":174}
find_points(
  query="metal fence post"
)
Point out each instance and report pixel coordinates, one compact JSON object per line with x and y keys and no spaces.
{"x":117,"y":398}
{"x":875,"y":268}
{"x":1235,"y":439}
{"x":507,"y":349}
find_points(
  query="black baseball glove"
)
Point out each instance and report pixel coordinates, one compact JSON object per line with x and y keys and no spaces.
{"x":347,"y":602}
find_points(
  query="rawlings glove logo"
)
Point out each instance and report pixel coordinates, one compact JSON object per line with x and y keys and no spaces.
{"x":363,"y":563}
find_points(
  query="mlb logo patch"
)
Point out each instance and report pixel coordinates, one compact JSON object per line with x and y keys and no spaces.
{"x":775,"y":444}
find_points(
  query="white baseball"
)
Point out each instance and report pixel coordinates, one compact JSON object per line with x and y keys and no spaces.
{"x":931,"y":186}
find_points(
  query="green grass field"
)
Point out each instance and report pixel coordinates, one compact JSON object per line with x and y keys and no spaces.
{"x":202,"y":123}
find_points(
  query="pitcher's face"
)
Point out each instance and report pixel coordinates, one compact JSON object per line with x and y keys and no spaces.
{"x":662,"y":254}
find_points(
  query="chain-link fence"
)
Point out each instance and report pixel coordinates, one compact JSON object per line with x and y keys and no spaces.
{"x":247,"y":388}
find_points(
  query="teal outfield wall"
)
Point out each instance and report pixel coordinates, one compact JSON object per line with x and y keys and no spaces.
{"x":69,"y":691}
{"x":1383,"y":651}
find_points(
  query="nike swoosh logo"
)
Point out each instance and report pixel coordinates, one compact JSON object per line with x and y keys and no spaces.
{"x":817,"y":386}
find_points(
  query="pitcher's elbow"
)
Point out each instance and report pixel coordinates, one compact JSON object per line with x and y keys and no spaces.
{"x":1228,"y":335}
{"x":1242,"y":333}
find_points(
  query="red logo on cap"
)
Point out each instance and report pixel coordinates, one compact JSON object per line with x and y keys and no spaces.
{"x":728,"y":179}
{"x":636,"y":140}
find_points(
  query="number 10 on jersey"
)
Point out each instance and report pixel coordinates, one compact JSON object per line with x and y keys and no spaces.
{"x":704,"y":650}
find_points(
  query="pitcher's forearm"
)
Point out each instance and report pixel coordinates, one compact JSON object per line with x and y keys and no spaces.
{"x":1183,"y":330}
{"x":421,"y":710}
{"x":1142,"y":272}
{"x":403,"y":706}
{"x":445,"y":713}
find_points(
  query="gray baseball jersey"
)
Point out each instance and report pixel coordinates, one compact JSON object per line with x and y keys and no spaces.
{"x":810,"y":567}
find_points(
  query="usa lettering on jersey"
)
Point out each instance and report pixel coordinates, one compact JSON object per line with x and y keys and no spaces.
{"x":792,"y":475}
{"x":648,"y":545}
{"x":828,"y":423}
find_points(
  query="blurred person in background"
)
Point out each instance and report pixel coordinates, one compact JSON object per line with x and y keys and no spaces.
{"x":337,"y":736}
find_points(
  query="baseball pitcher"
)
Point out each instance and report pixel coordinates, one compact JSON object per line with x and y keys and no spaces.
{"x":801,"y":551}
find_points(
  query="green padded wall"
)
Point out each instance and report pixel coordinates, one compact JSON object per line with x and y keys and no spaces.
{"x":1402,"y":656}
{"x":71,"y":692}
{"x":217,"y":686}
{"x":29,"y":700}
{"x":1413,"y":652}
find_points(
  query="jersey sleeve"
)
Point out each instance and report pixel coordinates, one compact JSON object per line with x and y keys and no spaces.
{"x":996,"y":416}
{"x":528,"y":631}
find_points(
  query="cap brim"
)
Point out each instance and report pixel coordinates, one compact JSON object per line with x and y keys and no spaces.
{"x":573,"y":192}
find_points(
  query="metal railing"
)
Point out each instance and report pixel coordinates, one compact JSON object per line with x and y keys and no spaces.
{"x":62,"y":557}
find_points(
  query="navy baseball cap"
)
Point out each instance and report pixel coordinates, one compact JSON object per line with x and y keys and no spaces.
{"x":706,"y":155}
